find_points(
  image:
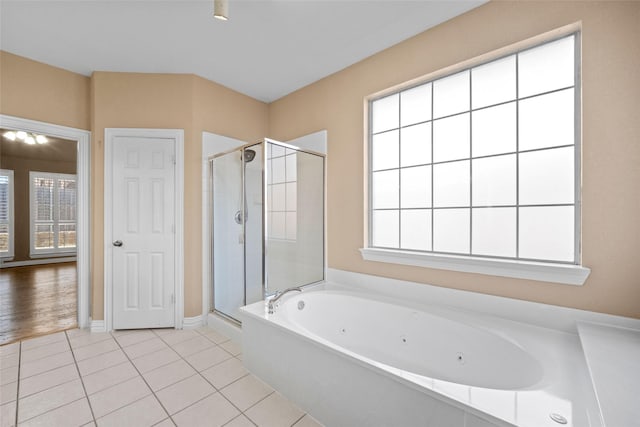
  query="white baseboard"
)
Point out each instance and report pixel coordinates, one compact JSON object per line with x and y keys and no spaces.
{"x":225,"y":328}
{"x":37,"y":262}
{"x":98,"y":326}
{"x":192,"y":322}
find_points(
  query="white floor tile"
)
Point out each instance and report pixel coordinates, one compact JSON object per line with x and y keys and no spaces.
{"x":151,"y":361}
{"x":145,"y":347}
{"x":8,"y":392}
{"x":207,"y":358}
{"x":135,"y":337}
{"x":240,"y":421}
{"x":85,"y":339}
{"x":45,"y":364}
{"x":192,"y":345}
{"x":76,"y":413}
{"x":184,"y":393}
{"x":103,"y":361}
{"x":10,"y":360}
{"x":106,"y":378}
{"x":45,"y":380}
{"x":165,"y":423}
{"x":274,"y":411}
{"x":212,"y":411}
{"x":43,"y":340}
{"x":43,"y":351}
{"x":246,"y":392}
{"x":232,"y":347}
{"x":118,"y":396}
{"x":307,"y":421}
{"x":8,"y":414}
{"x":7,"y":349}
{"x":214,"y":335}
{"x":169,"y":374}
{"x":144,"y":412}
{"x":49,"y":399}
{"x":9,"y":375}
{"x":94,"y":349}
{"x":72,"y":333}
{"x":225,"y":373}
{"x":175,"y":336}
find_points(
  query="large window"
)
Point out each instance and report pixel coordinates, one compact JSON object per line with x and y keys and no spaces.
{"x":482,"y":163}
{"x":53,"y":213}
{"x":6,"y":214}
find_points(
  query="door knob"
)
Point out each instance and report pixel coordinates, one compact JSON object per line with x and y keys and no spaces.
{"x":117,"y":243}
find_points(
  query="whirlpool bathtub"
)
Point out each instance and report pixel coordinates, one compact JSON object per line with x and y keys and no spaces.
{"x":364,"y":360}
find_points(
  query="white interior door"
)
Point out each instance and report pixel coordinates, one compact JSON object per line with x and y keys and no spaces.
{"x":143,"y":232}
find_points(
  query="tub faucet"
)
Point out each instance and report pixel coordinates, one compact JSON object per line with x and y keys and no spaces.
{"x":273,"y":302}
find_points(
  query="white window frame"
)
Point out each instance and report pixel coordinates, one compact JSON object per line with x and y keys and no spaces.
{"x":11,"y":253}
{"x":574,"y":274}
{"x":40,"y":253}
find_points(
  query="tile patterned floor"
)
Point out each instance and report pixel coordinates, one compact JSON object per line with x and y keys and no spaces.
{"x":161,"y":377}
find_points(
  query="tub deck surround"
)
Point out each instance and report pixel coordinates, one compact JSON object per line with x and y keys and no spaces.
{"x":613,"y":357}
{"x":354,"y":360}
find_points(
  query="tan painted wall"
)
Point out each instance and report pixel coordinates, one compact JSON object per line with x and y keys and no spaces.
{"x":21,"y":167}
{"x":38,"y":91}
{"x":611,"y":152}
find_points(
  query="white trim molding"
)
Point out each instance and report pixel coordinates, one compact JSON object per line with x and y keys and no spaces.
{"x":38,"y":261}
{"x":83,"y":230}
{"x":98,"y":326}
{"x":178,"y":136}
{"x":544,"y":272}
{"x":193,"y":322}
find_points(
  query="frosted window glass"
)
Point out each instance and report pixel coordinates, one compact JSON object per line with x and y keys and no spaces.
{"x":277,"y":170}
{"x":291,"y":225}
{"x":494,"y":180}
{"x":415,"y":230}
{"x":385,"y":150}
{"x":547,"y":176}
{"x":415,"y":191}
{"x":494,"y":82}
{"x":494,"y":232}
{"x":547,"y":67}
{"x":386,"y":229}
{"x":278,"y":225}
{"x":277,"y":150}
{"x":451,"y":184}
{"x":451,"y":95}
{"x":415,"y":105}
{"x":278,"y":197}
{"x":451,"y":230}
{"x":385,"y":113}
{"x":547,"y":233}
{"x":292,"y":167}
{"x":386,"y":189}
{"x":415,"y":145}
{"x":292,"y":199}
{"x":493,"y":130}
{"x":451,"y":138}
{"x":547,"y":120}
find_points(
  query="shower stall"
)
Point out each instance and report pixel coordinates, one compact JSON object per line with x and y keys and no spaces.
{"x":267,"y":203}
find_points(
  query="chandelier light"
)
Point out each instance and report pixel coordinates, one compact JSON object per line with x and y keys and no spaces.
{"x":26,"y":137}
{"x":221,"y":9}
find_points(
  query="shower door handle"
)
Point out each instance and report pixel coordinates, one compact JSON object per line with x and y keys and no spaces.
{"x":117,"y":243}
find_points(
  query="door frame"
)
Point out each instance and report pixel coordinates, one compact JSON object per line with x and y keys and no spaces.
{"x":83,"y":221}
{"x":178,"y":137}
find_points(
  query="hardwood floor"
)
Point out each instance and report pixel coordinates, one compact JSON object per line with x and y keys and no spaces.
{"x":37,"y":300}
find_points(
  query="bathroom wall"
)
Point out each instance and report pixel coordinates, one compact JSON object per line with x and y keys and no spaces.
{"x":611,"y":153}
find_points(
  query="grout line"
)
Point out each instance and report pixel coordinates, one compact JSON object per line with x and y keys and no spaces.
{"x":86,"y":395}
{"x":18,"y":380}
{"x":48,"y":388}
{"x":298,"y":420}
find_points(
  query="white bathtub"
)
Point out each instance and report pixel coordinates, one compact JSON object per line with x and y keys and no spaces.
{"x":353,"y":361}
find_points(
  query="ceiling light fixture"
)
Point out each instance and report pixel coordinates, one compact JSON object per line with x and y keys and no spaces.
{"x":26,"y":137}
{"x":221,"y":9}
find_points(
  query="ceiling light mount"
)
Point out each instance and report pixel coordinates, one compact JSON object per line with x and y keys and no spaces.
{"x":221,"y":9}
{"x":26,"y":137}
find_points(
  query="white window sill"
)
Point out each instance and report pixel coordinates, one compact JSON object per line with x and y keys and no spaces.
{"x":56,"y":254}
{"x":545,"y":272}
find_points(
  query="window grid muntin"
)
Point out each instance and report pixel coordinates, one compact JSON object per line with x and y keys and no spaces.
{"x":8,"y":222}
{"x":576,"y":144}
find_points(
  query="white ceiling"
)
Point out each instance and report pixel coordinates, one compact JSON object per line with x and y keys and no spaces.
{"x":267,"y":49}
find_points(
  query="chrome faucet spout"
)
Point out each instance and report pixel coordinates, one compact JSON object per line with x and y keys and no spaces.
{"x":273,"y":302}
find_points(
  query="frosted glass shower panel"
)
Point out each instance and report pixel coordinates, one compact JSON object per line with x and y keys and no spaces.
{"x":294,"y":245}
